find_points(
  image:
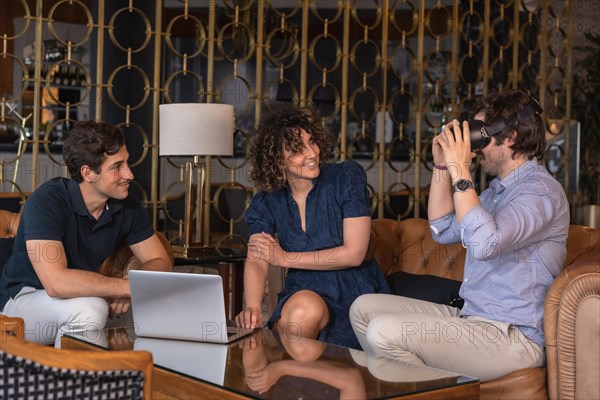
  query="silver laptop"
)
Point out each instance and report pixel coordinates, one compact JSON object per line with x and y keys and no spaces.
{"x":182,"y":306}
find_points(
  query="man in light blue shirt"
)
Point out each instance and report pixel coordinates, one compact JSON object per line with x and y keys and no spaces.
{"x":515,"y":234}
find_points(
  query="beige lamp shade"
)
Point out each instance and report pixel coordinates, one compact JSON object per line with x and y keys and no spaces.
{"x":187,"y":129}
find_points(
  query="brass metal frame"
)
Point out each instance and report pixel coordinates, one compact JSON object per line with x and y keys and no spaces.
{"x":306,"y":22}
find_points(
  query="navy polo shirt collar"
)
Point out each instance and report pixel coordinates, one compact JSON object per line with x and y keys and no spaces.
{"x":112,"y":206}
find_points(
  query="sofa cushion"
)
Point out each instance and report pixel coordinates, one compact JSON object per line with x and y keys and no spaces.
{"x":426,"y":287}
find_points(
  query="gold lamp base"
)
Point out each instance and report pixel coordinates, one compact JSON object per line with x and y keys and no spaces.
{"x":193,"y":247}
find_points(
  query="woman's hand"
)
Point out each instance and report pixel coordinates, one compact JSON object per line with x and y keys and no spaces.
{"x":249,"y":318}
{"x":263,"y":246}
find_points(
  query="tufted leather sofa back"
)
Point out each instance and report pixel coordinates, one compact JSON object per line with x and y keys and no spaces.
{"x":583,"y":242}
{"x":407,"y":246}
{"x":9,"y":223}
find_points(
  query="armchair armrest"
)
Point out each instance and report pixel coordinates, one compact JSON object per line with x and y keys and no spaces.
{"x":123,"y":260}
{"x":571,"y":326}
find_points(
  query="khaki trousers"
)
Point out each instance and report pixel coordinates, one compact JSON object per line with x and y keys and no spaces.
{"x":432,"y":334}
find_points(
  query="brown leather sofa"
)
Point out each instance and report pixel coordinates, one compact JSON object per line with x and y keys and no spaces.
{"x":572,"y":309}
{"x":117,"y":265}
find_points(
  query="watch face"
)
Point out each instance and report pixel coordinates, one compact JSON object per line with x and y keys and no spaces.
{"x":463,"y":185}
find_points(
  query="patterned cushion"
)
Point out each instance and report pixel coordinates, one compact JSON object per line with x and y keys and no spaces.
{"x":25,"y":379}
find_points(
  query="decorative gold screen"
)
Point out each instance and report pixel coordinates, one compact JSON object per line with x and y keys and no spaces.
{"x":386,"y":75}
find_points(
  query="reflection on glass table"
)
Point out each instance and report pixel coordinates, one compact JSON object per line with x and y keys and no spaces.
{"x":310,"y":366}
{"x":268,"y":366}
{"x":204,"y":361}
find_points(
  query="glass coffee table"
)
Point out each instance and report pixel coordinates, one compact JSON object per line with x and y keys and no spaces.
{"x":266,"y":366}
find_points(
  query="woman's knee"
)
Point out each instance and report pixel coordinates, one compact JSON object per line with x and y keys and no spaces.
{"x":304,"y":310}
{"x":304,"y":305}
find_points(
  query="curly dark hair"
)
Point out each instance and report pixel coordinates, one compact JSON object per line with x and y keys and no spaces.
{"x":89,"y":143}
{"x":507,"y":106}
{"x":276,"y":131}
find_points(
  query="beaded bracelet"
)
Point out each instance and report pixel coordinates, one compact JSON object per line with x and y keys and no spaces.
{"x":440,"y":167}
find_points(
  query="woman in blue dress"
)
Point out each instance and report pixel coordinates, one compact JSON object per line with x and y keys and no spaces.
{"x":313,"y":219}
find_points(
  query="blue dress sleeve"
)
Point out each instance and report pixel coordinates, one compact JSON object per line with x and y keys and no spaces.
{"x":354,"y":197}
{"x":258,"y":216}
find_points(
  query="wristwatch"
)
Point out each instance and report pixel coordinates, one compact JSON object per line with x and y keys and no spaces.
{"x":462,"y":185}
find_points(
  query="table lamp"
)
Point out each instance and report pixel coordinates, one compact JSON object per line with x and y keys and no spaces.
{"x":195,"y":129}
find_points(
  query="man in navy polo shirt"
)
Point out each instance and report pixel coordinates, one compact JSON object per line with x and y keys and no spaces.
{"x":68,"y":228}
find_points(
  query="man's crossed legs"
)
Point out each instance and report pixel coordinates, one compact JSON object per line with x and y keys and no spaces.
{"x":432,"y":334}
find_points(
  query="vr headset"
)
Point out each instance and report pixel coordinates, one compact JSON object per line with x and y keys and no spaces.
{"x":481,"y":134}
